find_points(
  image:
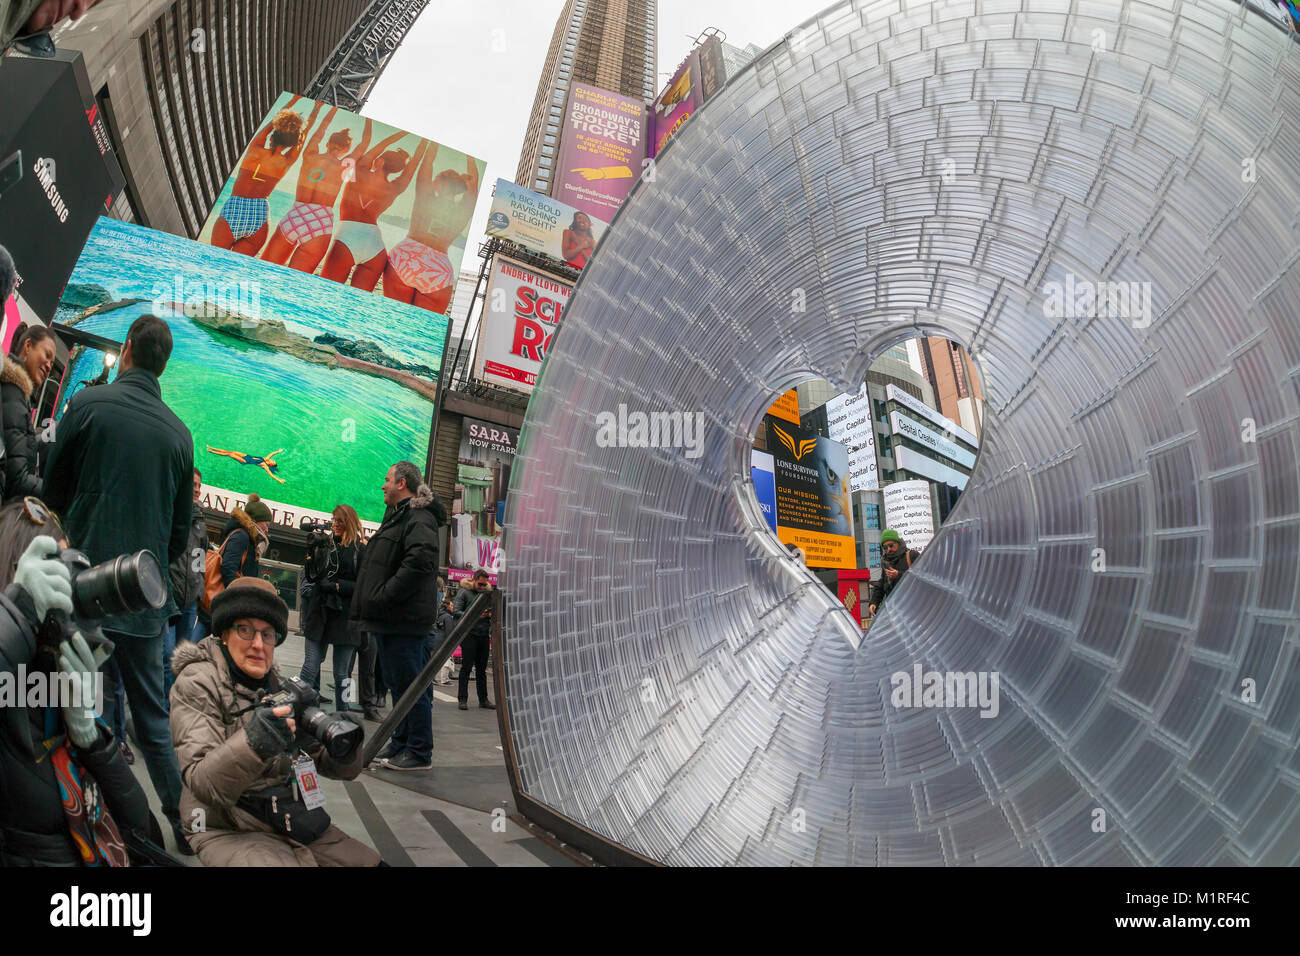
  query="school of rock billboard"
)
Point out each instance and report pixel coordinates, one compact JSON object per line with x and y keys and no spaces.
{"x":544,"y":225}
{"x":332,"y":193}
{"x":813,"y":502}
{"x":602,"y":147}
{"x":521,"y":312}
{"x":487,"y":452}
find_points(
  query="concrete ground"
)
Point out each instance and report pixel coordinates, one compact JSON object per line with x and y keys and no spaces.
{"x":457,"y":814}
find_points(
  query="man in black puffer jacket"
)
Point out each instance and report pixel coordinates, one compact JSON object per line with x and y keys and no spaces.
{"x":396,"y":601}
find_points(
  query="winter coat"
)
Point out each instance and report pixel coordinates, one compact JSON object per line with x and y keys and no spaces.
{"x":397,"y":585}
{"x":121,"y":472}
{"x":239,"y":559}
{"x":19,"y":462}
{"x":33,"y":828}
{"x":216,"y":761}
{"x":187,"y":583}
{"x":323,"y":623}
{"x":464,"y":597}
{"x":902,"y":560}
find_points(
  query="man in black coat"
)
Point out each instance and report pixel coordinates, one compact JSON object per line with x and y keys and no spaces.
{"x":474,"y":648}
{"x":121,"y":472}
{"x":396,"y":601}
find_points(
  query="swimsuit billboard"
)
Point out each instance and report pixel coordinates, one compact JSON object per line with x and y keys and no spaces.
{"x":542,"y":224}
{"x":302,"y":390}
{"x":329,"y":192}
{"x":602,"y":149}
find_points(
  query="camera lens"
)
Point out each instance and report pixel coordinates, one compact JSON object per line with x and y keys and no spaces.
{"x":127,"y":584}
{"x":340,"y":736}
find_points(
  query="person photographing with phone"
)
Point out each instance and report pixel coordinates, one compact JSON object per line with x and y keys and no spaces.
{"x":895,"y":560}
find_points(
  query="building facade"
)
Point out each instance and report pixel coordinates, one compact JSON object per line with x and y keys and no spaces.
{"x":610,"y":44}
{"x":184,"y":84}
{"x":952,"y":377}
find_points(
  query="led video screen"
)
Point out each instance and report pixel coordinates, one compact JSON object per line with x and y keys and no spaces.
{"x":302,"y":390}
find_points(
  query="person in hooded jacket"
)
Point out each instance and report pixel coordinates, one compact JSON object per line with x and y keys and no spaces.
{"x":396,"y":600}
{"x":234,"y":755}
{"x":23,"y":374}
{"x":327,"y":605}
{"x":895,"y":559}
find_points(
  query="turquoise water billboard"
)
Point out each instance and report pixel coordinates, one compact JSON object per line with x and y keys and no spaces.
{"x":302,"y":390}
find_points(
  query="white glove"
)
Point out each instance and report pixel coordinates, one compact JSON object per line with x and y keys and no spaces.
{"x":77,"y":660}
{"x":45,"y":577}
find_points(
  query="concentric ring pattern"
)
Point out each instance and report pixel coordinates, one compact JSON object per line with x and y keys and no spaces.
{"x":1125,"y":558}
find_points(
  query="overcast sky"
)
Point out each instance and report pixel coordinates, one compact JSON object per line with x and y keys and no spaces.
{"x":466,"y":74}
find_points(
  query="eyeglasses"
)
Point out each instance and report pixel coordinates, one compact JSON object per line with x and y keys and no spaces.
{"x":37,"y":513}
{"x":247,"y":632}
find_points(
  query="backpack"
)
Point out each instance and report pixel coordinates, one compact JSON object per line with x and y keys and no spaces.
{"x":212,"y":584}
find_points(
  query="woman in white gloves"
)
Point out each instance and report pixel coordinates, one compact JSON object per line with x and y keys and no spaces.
{"x":67,"y":798}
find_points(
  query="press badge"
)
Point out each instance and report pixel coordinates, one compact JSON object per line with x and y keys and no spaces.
{"x":304,"y":769}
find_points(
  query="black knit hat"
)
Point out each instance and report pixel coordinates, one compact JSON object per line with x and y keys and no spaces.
{"x":246,"y":598}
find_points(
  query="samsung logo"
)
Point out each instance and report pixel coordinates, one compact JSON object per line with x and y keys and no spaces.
{"x":51,"y":191}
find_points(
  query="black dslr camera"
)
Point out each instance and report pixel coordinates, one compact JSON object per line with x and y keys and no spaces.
{"x":127,"y":584}
{"x":338,"y":735}
{"x":322,"y":561}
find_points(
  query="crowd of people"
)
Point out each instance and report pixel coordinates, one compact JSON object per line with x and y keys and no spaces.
{"x":221,"y":732}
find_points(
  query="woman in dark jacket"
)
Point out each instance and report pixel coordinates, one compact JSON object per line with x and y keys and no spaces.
{"x":47,"y":752}
{"x":24,"y":373}
{"x":327,"y":602}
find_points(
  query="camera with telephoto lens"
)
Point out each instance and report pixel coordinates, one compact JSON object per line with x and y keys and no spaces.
{"x":338,"y":735}
{"x":127,"y":584}
{"x":322,"y":561}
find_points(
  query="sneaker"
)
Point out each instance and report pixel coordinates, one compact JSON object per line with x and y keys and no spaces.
{"x":407,"y":761}
{"x":127,"y":755}
{"x":463,"y":705}
{"x":389,"y":752}
{"x":375,"y":714}
{"x":487,"y":705}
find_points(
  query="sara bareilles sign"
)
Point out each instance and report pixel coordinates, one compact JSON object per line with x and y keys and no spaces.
{"x":520,"y":314}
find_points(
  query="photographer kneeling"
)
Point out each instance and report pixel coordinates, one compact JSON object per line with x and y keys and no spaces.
{"x":239,"y":753}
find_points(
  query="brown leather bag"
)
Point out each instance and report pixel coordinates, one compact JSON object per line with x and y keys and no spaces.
{"x":212,"y":584}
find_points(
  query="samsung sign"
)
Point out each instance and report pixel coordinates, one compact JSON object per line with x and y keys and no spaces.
{"x":902,"y":425}
{"x":848,"y":421}
{"x":896,"y":394}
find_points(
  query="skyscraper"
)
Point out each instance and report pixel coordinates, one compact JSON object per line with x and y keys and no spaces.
{"x":952,"y":376}
{"x":609,"y":44}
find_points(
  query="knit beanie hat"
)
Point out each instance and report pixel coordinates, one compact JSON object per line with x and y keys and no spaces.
{"x":257,"y":510}
{"x":889,"y":534}
{"x":248,"y":598}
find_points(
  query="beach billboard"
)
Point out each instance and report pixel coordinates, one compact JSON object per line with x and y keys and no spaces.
{"x":542,"y":224}
{"x":521,"y":312}
{"x":329,"y":192}
{"x":302,"y":390}
{"x":676,"y":103}
{"x":602,"y":147}
{"x":814,"y":508}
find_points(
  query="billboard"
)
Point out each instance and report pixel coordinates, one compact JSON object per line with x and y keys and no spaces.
{"x":814,"y":507}
{"x":910,"y":512}
{"x":713,"y":68}
{"x":848,"y":421}
{"x":302,"y":390}
{"x":53,"y":138}
{"x":332,"y":193}
{"x":676,"y":103}
{"x":602,"y":146}
{"x":521,"y":312}
{"x":786,"y":407}
{"x":895,"y":394}
{"x":762,"y":471}
{"x":487,"y":452}
{"x":544,"y":225}
{"x":910,"y":428}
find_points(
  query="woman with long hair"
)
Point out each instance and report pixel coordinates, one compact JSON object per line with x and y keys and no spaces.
{"x":329,"y":578}
{"x":577,"y":241}
{"x":23,"y":374}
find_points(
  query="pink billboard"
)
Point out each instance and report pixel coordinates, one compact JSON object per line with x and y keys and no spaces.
{"x":676,"y":103}
{"x":601,"y":150}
